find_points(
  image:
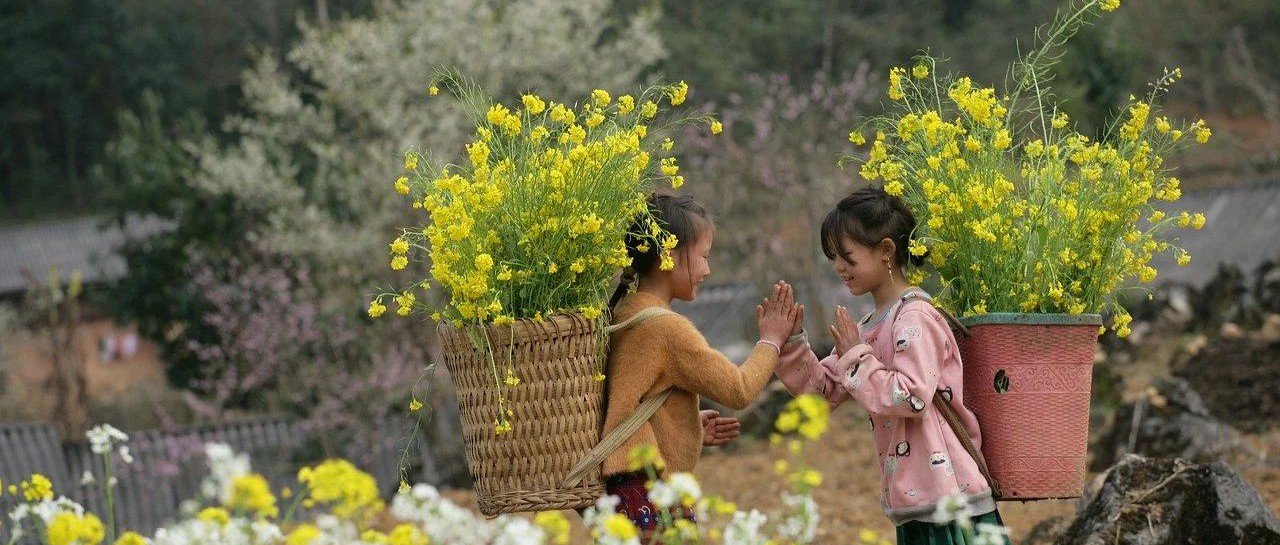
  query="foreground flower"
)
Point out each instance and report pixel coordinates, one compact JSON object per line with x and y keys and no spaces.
{"x":338,"y":484}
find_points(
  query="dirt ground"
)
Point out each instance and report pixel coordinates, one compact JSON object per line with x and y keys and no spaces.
{"x":1239,"y":381}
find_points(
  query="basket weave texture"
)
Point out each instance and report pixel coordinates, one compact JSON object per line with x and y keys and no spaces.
{"x":1027,"y":377}
{"x":558,"y":411}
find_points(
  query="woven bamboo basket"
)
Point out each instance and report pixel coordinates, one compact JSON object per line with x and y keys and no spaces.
{"x":1027,"y":377}
{"x":558,"y":409}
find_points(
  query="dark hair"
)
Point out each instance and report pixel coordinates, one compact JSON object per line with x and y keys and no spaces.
{"x":868,"y":216}
{"x":680,"y":215}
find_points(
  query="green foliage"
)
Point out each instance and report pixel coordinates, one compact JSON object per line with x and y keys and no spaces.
{"x":305,"y":171}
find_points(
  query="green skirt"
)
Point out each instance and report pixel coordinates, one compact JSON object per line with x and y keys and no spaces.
{"x":924,"y":533}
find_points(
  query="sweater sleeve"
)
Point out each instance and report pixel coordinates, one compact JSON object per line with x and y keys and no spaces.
{"x":907,"y":386}
{"x":696,"y":367}
{"x":798,"y":368}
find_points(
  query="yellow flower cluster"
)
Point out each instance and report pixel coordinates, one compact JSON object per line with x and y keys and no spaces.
{"x":252,"y":494}
{"x":808,"y":415}
{"x":1017,"y":211}
{"x":304,"y":534}
{"x":216,"y":515}
{"x":131,"y":538}
{"x":337,"y":483}
{"x":531,"y":222}
{"x":71,"y":529}
{"x":403,"y":534}
{"x":37,"y":488}
{"x":555,"y":525}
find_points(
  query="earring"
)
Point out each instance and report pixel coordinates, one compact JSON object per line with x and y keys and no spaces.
{"x":890,"y":267}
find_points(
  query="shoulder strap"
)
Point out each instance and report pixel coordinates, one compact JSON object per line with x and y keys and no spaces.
{"x":944,"y":407}
{"x":953,"y":420}
{"x":643,"y":412}
{"x":644,"y":315}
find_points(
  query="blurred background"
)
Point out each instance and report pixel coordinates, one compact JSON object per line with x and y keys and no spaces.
{"x":195,"y":195}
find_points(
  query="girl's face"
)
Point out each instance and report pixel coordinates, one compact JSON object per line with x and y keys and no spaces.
{"x":862,"y":268}
{"x":692,"y":266}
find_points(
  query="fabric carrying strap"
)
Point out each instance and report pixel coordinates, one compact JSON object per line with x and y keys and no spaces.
{"x":944,"y":407}
{"x":643,"y":412}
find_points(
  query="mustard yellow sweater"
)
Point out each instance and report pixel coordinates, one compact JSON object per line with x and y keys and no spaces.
{"x":669,"y":351}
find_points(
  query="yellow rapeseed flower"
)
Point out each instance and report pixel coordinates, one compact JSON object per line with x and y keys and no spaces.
{"x":600,"y":98}
{"x":216,"y":515}
{"x":626,"y":103}
{"x":376,"y":308}
{"x":554,"y":524}
{"x":533,"y":104}
{"x":252,"y":493}
{"x":679,"y":93}
{"x":37,"y":488}
{"x":304,"y":534}
{"x":131,"y":538}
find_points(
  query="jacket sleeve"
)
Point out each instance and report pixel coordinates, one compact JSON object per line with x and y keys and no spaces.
{"x":698,"y":368}
{"x":905,"y":386}
{"x":802,"y":373}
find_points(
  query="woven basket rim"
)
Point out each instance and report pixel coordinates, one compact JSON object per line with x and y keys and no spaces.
{"x":1031,"y":318}
{"x":560,"y":321}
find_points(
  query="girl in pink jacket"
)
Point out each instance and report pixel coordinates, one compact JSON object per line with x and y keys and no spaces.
{"x":895,"y":362}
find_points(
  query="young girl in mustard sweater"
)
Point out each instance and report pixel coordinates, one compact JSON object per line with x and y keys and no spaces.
{"x":667,"y":351}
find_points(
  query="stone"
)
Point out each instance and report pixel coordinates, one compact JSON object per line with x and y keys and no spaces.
{"x":1150,"y":501}
{"x":1170,"y":420}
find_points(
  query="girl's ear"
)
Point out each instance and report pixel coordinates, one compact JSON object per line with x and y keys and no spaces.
{"x":886,"y":249}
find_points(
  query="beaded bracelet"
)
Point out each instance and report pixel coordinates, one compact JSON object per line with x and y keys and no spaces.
{"x":770,"y":343}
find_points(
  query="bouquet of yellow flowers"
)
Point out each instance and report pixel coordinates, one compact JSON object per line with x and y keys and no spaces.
{"x":1018,"y":211}
{"x":532,"y":223}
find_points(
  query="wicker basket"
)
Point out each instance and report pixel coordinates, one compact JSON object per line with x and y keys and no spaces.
{"x":558,"y":409}
{"x":1027,"y":377}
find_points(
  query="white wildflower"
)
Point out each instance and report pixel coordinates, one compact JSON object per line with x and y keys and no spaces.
{"x":744,"y":529}
{"x":87,"y":479}
{"x":225,"y":466}
{"x":518,"y":531}
{"x":991,"y":534}
{"x":125,"y":455}
{"x":103,"y":436}
{"x":802,"y":526}
{"x":953,"y":508}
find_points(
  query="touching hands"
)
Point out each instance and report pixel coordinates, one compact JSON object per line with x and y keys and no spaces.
{"x":778,"y":315}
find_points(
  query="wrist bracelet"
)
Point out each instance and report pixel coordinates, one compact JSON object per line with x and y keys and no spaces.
{"x":802,"y":336}
{"x":775,"y":346}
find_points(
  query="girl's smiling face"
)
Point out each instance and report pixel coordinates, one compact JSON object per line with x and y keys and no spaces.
{"x":862,"y":268}
{"x":692,"y":266}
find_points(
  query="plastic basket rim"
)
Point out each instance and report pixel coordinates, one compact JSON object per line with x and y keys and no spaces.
{"x":1031,"y":318}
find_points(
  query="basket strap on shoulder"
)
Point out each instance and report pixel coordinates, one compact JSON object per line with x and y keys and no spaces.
{"x":643,"y":412}
{"x":944,"y":407}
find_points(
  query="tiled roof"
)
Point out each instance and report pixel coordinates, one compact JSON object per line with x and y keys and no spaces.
{"x":79,"y":244}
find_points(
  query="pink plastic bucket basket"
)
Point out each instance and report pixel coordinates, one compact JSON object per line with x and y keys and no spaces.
{"x":1027,"y":377}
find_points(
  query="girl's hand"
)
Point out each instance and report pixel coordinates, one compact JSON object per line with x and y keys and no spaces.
{"x":799,"y":325}
{"x":844,"y":331}
{"x":776,"y":316}
{"x":718,"y":430}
